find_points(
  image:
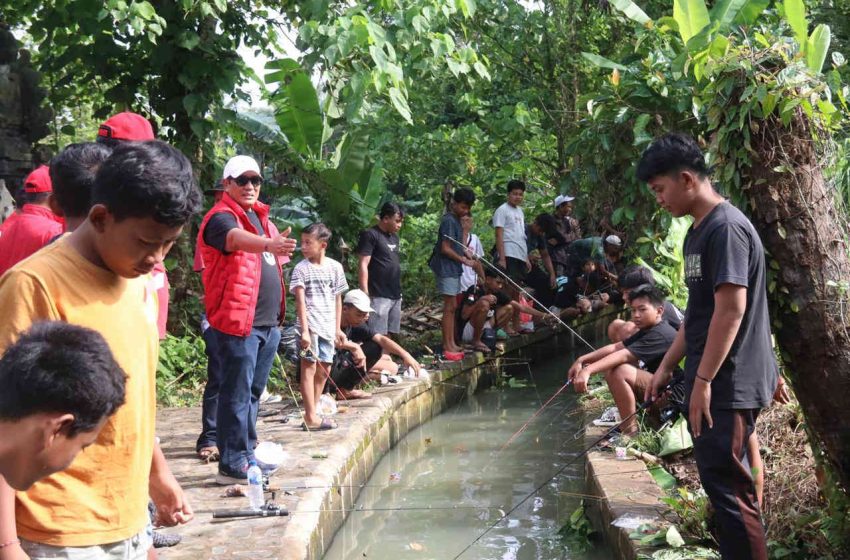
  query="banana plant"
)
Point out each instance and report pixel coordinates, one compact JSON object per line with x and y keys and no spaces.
{"x":345,"y":184}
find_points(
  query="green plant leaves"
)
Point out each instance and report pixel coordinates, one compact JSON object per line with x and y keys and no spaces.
{"x":725,"y":12}
{"x":692,"y":17}
{"x":399,"y":101}
{"x":299,"y":114}
{"x":603,"y":62}
{"x":817,"y":46}
{"x":631,"y":11}
{"x":795,"y":13}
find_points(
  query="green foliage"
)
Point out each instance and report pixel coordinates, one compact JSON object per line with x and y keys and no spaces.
{"x":577,"y":532}
{"x":182,"y":370}
{"x":692,"y":512}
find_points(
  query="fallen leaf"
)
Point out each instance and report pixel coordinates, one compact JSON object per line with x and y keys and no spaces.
{"x":417,"y":547}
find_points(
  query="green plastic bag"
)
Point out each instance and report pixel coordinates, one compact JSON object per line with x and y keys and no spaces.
{"x":676,"y":438}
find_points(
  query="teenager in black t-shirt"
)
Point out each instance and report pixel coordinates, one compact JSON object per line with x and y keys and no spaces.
{"x":629,"y":365}
{"x":379,"y":269}
{"x":730,"y":372}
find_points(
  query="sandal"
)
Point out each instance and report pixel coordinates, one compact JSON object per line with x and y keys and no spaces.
{"x":481,"y":347}
{"x":209,"y":454}
{"x":326,"y":424}
{"x":354,"y":394}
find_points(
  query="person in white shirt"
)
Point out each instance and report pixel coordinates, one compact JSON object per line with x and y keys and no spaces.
{"x":474,"y":249}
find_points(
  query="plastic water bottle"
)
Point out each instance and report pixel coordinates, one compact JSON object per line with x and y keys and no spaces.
{"x":255,"y":486}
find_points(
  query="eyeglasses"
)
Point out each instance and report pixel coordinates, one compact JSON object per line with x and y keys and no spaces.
{"x":242,"y":180}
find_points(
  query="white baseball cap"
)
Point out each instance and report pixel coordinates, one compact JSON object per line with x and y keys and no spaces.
{"x":237,"y":165}
{"x":359,"y":299}
{"x":613,"y":240}
{"x":562,"y":198}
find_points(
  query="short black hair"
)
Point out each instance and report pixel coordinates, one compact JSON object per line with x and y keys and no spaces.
{"x":635,"y":276}
{"x":108,"y":142}
{"x":319,"y":230}
{"x":35,"y":197}
{"x":56,"y":367}
{"x":670,"y":154}
{"x":148,"y":179}
{"x":72,"y":172}
{"x":390,"y":209}
{"x":494,"y":271}
{"x":547,"y":222}
{"x":464,"y":195}
{"x":653,"y":294}
{"x":516,"y":184}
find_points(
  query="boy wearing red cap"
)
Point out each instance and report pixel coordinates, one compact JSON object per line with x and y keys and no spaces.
{"x":36,"y":223}
{"x":132,"y":127}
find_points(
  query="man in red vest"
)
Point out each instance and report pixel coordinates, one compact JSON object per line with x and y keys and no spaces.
{"x":35,"y":225}
{"x":245,"y":303}
{"x":131,"y":127}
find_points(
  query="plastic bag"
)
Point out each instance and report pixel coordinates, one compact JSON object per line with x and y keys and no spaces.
{"x":676,"y":438}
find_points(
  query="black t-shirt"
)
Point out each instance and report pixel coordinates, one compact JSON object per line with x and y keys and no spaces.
{"x":650,"y":345}
{"x":363,"y":335}
{"x":269,"y":298}
{"x":725,"y":249}
{"x":672,"y":315}
{"x":384,"y":266}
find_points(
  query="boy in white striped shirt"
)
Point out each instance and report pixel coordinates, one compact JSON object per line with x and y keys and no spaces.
{"x":318,"y":283}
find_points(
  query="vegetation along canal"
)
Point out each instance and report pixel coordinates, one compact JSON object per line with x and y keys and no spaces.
{"x":454,"y":461}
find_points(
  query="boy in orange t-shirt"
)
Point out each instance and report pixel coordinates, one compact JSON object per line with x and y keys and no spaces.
{"x":144,"y":194}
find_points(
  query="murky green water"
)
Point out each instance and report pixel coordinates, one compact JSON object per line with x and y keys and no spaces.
{"x":453,"y":461}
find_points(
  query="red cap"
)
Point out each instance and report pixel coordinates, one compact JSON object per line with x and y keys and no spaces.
{"x":126,"y":126}
{"x":38,"y":181}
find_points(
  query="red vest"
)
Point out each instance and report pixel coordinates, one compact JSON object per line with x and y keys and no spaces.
{"x":232,"y":281}
{"x":26,"y":234}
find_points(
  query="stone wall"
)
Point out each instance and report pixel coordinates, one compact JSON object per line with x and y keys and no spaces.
{"x":23,"y":120}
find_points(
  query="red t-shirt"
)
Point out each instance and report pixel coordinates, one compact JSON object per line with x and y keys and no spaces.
{"x":26,"y":234}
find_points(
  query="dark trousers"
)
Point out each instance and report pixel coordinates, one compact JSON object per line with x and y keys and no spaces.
{"x":209,"y":406}
{"x":724,"y":470}
{"x":245,"y":363}
{"x":345,"y":375}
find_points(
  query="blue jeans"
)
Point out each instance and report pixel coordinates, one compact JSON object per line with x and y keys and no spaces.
{"x":209,"y":407}
{"x":245,"y":363}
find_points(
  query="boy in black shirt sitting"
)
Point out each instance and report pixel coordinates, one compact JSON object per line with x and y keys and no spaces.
{"x":630,"y":279}
{"x":489,"y":302}
{"x":628,"y":365}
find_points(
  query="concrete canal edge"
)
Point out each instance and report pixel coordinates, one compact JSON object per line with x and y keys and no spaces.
{"x":320,"y":512}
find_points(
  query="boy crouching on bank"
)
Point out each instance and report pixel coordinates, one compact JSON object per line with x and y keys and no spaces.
{"x":629,"y":365}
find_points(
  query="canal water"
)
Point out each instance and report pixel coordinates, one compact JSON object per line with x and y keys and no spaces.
{"x":453,"y":465}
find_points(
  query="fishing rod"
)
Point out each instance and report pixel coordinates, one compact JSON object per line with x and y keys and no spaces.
{"x":524,"y":291}
{"x":533,"y":416}
{"x":569,"y":463}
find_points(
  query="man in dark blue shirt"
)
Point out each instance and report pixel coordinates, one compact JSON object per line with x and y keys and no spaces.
{"x":730,"y":369}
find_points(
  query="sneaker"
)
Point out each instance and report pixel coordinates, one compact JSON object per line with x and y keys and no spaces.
{"x":163,"y":540}
{"x":227,"y":478}
{"x":610,"y":417}
{"x":269,"y":398}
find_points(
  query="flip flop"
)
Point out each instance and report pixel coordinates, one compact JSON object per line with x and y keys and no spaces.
{"x":453,"y":356}
{"x":326,"y":424}
{"x":209,"y":454}
{"x":481,"y":347}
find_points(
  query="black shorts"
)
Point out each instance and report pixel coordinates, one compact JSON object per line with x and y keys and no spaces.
{"x":516,"y":269}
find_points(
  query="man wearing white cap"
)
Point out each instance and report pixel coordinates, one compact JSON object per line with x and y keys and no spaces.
{"x":568,"y":231}
{"x":368,"y":348}
{"x":245,"y":303}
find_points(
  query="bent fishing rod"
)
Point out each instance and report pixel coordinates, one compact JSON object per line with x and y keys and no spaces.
{"x":524,"y":291}
{"x":588,"y":449}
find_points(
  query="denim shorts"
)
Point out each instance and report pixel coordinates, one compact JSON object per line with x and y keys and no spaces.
{"x":448,"y":285}
{"x":321,"y":348}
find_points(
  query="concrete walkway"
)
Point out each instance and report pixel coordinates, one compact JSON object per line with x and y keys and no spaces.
{"x":324,"y":470}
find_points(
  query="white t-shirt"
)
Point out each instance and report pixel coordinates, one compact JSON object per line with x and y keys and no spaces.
{"x":469,"y":277}
{"x":512,"y":220}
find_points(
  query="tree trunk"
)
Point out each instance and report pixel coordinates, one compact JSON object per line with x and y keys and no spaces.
{"x":795,"y":213}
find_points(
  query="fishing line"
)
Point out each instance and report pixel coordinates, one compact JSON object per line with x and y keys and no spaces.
{"x":568,"y":464}
{"x":524,"y":291}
